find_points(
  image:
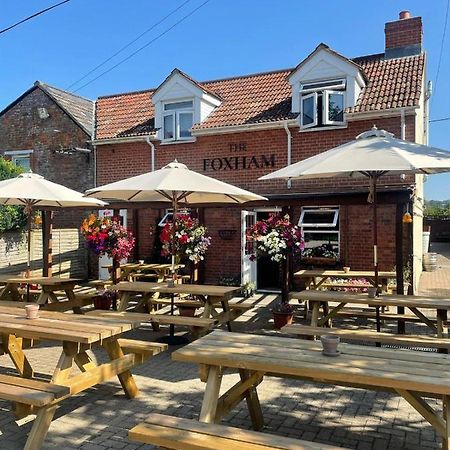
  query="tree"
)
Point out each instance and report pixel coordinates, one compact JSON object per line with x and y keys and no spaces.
{"x":11,"y":217}
{"x":436,"y":209}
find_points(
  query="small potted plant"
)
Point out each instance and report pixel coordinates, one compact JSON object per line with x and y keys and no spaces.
{"x":104,"y":299}
{"x":283,"y":314}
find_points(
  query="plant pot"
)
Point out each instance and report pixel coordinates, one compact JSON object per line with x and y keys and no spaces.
{"x":330,"y":343}
{"x":101,"y":302}
{"x":187,"y":311}
{"x":32,"y":311}
{"x":281,"y":319}
{"x":372,"y":292}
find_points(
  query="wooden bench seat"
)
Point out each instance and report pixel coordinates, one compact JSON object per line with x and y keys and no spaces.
{"x":30,"y":392}
{"x":187,"y":434}
{"x":142,"y":349}
{"x":425,"y":341}
{"x":164,"y":319}
{"x":198,"y":304}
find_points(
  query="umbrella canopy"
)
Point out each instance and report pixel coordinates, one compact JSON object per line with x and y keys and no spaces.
{"x":32,"y":190}
{"x":372,"y":154}
{"x":374,"y":151}
{"x":174,"y":181}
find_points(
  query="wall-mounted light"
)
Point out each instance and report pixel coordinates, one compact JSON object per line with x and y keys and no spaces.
{"x":407,"y":218}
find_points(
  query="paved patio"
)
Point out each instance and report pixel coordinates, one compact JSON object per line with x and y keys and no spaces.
{"x":100,"y":418}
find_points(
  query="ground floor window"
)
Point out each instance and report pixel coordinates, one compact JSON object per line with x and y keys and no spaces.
{"x":320,"y":228}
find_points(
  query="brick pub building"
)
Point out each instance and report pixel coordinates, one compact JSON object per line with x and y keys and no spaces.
{"x":240,"y":128}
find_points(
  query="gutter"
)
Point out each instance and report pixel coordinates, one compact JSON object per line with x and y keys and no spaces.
{"x":119,"y":140}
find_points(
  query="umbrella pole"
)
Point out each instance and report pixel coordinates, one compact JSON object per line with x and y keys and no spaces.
{"x":375,"y":246}
{"x":28,"y":272}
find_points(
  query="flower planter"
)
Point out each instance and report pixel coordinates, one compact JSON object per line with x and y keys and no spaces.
{"x":187,"y":311}
{"x":102,"y":302}
{"x":281,"y":319}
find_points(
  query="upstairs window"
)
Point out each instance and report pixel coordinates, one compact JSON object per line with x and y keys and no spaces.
{"x":322,"y":103}
{"x":178,"y":119}
{"x":21,"y":158}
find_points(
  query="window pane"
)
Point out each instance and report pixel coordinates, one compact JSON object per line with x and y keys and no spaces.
{"x":308,"y":110}
{"x":168,"y":127}
{"x":336,"y":107}
{"x":185,"y":124}
{"x":22,"y":161}
{"x":318,"y":218}
{"x":178,"y":105}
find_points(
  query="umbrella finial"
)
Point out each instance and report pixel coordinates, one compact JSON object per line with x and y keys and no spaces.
{"x":375,"y":132}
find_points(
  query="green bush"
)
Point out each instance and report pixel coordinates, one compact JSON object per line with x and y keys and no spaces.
{"x":11,"y":217}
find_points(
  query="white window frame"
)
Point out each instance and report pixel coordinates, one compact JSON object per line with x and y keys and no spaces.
{"x":302,"y":99}
{"x":302,"y":223}
{"x":175,"y":113}
{"x":325,"y":107}
{"x":19,"y":154}
{"x":321,"y":228}
{"x":339,"y":84}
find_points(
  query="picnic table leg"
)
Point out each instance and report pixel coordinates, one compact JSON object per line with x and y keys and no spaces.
{"x":72,"y":298}
{"x":253,"y":404}
{"x":446,"y":410}
{"x":45,"y":415}
{"x":226,"y":309}
{"x":211,"y":397}
{"x":315,"y":313}
{"x":13,"y":347}
{"x":126,"y":379}
{"x":124,"y":299}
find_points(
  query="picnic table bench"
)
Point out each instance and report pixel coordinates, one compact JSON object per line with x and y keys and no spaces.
{"x":423,"y":341}
{"x":414,"y":303}
{"x":210,"y":296}
{"x":77,"y":334}
{"x":178,"y":433}
{"x":415,"y":376}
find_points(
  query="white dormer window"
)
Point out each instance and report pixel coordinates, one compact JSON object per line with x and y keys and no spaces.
{"x":178,"y":118}
{"x":322,"y":103}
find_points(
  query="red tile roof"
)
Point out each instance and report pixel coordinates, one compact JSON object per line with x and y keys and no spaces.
{"x":266,"y":97}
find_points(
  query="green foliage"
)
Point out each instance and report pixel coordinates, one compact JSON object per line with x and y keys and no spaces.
{"x":11,"y":217}
{"x":436,"y":209}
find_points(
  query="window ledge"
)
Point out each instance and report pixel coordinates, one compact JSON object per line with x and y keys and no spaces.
{"x":331,"y":127}
{"x":181,"y":141}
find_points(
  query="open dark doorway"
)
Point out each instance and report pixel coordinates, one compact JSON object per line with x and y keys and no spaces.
{"x":267,"y":271}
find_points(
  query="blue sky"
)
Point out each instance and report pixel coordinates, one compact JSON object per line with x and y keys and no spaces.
{"x":223,"y":38}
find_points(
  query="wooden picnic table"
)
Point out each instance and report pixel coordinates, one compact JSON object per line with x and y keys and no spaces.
{"x":315,"y":278}
{"x":210,"y":295}
{"x":129,"y":270}
{"x":76,"y":334}
{"x":414,"y":303}
{"x":413,"y":375}
{"x":49,"y":285}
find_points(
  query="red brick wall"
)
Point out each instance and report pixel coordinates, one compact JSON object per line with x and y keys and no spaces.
{"x":119,"y":161}
{"x":22,"y":129}
{"x":403,"y":33}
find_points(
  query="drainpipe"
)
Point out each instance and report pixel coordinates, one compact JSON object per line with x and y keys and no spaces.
{"x":152,"y":146}
{"x":95,"y":164}
{"x":402,"y":124}
{"x":289,"y":151}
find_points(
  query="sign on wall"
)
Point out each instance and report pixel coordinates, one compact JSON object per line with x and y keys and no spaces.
{"x":240,"y":161}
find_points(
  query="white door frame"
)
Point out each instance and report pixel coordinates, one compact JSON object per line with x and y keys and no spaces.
{"x":105,"y":260}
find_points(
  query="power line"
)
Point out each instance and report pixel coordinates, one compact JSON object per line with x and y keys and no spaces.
{"x":442,"y":48}
{"x":128,"y":44}
{"x":144,"y":46}
{"x":33,"y":16}
{"x":440,"y":120}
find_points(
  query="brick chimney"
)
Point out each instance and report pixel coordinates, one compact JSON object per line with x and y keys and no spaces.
{"x":404,"y":36}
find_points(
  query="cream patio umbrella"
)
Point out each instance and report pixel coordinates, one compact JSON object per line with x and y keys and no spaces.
{"x":32,"y":190}
{"x":372,"y":154}
{"x":176,"y":184}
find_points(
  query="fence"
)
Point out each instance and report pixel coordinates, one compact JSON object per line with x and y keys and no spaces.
{"x":70,"y":258}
